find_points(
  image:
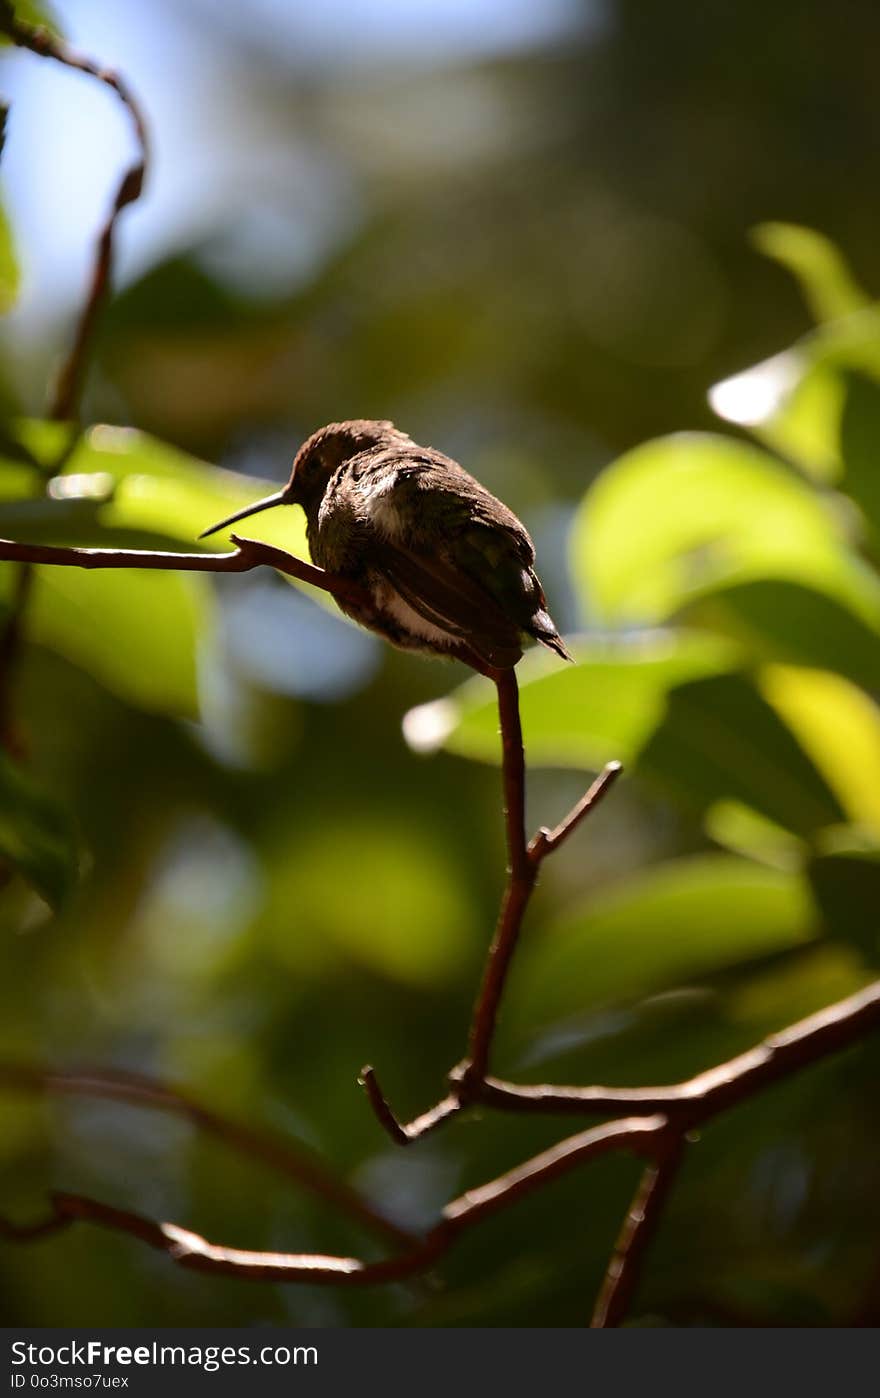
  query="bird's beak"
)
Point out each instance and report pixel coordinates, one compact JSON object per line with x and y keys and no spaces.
{"x":279,"y":498}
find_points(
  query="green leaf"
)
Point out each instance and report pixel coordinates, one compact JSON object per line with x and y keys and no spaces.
{"x":120,"y":482}
{"x":819,"y":708}
{"x":35,"y":834}
{"x":668,"y":926}
{"x":9,"y":270}
{"x":827,"y":284}
{"x":721,"y":741}
{"x":605,"y":706}
{"x":137,"y":632}
{"x":679,"y":517}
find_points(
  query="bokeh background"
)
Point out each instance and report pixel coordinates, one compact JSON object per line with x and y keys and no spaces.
{"x":247,"y":847}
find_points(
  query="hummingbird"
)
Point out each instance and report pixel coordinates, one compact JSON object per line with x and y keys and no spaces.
{"x":446,"y":568}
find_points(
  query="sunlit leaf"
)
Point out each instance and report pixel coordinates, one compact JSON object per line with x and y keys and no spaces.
{"x":677,"y":518}
{"x":838,"y":725}
{"x":9,"y":270}
{"x":791,"y":404}
{"x":605,"y":706}
{"x":828,"y":286}
{"x":36,"y":836}
{"x":666,"y":927}
{"x":137,"y":632}
{"x":793,"y":401}
{"x":153,"y":490}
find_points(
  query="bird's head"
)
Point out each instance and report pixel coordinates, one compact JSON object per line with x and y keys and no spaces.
{"x":316,"y":461}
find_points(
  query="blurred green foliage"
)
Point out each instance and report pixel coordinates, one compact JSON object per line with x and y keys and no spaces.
{"x":224,"y":866}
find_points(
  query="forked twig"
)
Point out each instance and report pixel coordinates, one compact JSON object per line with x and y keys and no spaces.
{"x":468,"y":1081}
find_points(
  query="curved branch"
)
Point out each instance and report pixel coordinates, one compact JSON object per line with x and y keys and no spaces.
{"x":716,"y":1089}
{"x":191,"y":1250}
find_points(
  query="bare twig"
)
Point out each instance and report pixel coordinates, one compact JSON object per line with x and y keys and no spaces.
{"x":693,"y":1100}
{"x":468,"y":1081}
{"x":402,"y":1133}
{"x":546,"y":841}
{"x":190,"y":1250}
{"x":639,"y":1227}
{"x":65,"y":400}
{"x":524,"y":864}
{"x":522,"y":871}
{"x":291,"y":1159}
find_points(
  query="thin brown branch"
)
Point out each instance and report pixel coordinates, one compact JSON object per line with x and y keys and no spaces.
{"x":634,"y":1239}
{"x":65,"y":399}
{"x":546,"y":841}
{"x":191,"y":1250}
{"x":638,"y":1134}
{"x":522,"y":872}
{"x":248,"y":554}
{"x":292,"y":1159}
{"x":468,"y":1080}
{"x":403,"y":1133}
{"x":694,"y":1100}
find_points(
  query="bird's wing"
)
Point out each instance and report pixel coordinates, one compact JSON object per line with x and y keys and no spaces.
{"x":447,"y":491}
{"x":452,"y":600}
